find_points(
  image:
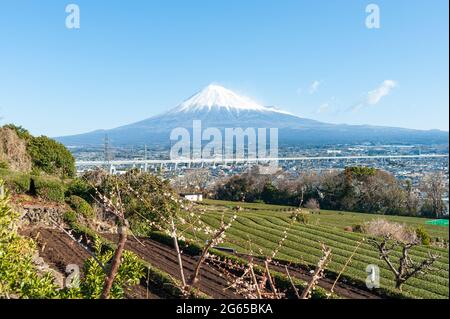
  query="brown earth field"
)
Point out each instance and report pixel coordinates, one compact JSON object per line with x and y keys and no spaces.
{"x":58,"y":250}
{"x":343,"y":290}
{"x":165,"y":258}
{"x":211,"y":280}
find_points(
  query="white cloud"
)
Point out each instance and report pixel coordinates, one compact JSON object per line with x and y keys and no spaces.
{"x":375,"y":96}
{"x":314,"y":87}
{"x":323,"y":108}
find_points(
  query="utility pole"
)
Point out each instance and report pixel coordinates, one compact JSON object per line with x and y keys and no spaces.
{"x":145,"y":158}
{"x":107,"y":151}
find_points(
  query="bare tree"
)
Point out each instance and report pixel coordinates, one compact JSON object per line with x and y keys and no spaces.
{"x":411,"y":199}
{"x":216,"y":239}
{"x":116,"y":262}
{"x":176,"y":225}
{"x":114,"y":206}
{"x":192,"y":181}
{"x":261,"y":285}
{"x":174,"y":235}
{"x":434,"y":186}
{"x":389,"y":237}
{"x":249,"y":283}
{"x":251,"y":287}
{"x":294,"y":288}
{"x":313,"y":205}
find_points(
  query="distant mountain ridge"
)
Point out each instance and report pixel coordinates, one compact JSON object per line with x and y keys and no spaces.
{"x":219,"y":107}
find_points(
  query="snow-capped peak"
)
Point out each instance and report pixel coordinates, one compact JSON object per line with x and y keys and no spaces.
{"x":217,"y":97}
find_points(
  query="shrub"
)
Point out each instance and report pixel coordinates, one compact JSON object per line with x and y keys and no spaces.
{"x":300,"y":216}
{"x":18,"y":274}
{"x":20,"y":183}
{"x":80,"y":188}
{"x":312,"y":204}
{"x":361,"y":171}
{"x":20,"y":131}
{"x":156,"y":200}
{"x":70,"y":217}
{"x":80,"y":206}
{"x":237,"y":189}
{"x":273,"y":195}
{"x":4,"y":165}
{"x":394,"y":231}
{"x":51,"y":157}
{"x":303,"y":218}
{"x":16,"y":182}
{"x":48,"y":189}
{"x":130,"y":272}
{"x":358,"y":228}
{"x":423,"y":236}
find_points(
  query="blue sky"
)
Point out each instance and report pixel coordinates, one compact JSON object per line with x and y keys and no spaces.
{"x":134,"y":59}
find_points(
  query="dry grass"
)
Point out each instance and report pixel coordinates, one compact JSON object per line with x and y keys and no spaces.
{"x":13,"y":150}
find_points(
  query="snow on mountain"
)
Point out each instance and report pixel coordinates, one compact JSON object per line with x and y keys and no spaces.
{"x":216,"y":97}
{"x":218,"y":107}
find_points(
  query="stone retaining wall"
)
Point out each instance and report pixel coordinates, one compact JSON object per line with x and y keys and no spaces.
{"x":39,"y":214}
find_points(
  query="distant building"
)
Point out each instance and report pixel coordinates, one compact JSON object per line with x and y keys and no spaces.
{"x":334,"y":152}
{"x":193,"y":197}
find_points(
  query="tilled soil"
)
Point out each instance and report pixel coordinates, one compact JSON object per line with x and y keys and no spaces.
{"x":212,"y":281}
{"x":56,"y":248}
{"x":58,"y":251}
{"x":163,"y":257}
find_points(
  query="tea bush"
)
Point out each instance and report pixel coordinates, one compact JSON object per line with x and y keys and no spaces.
{"x":81,"y":207}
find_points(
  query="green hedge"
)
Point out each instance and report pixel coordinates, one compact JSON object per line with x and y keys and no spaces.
{"x":81,"y":207}
{"x":18,"y":183}
{"x":190,"y":249}
{"x":81,"y":189}
{"x":51,"y":157}
{"x":48,"y":189}
{"x":4,"y":165}
{"x":70,"y":217}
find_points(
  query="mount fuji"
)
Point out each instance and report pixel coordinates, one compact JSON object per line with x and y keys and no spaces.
{"x":221,"y":108}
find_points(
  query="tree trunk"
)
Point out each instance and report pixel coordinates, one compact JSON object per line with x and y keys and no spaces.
{"x":292,"y":283}
{"x":194,"y":278}
{"x":180,"y":260}
{"x":117,"y":260}
{"x":255,"y":282}
{"x":272,"y":284}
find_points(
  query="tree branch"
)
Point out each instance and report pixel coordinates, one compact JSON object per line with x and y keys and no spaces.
{"x":292,"y":283}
